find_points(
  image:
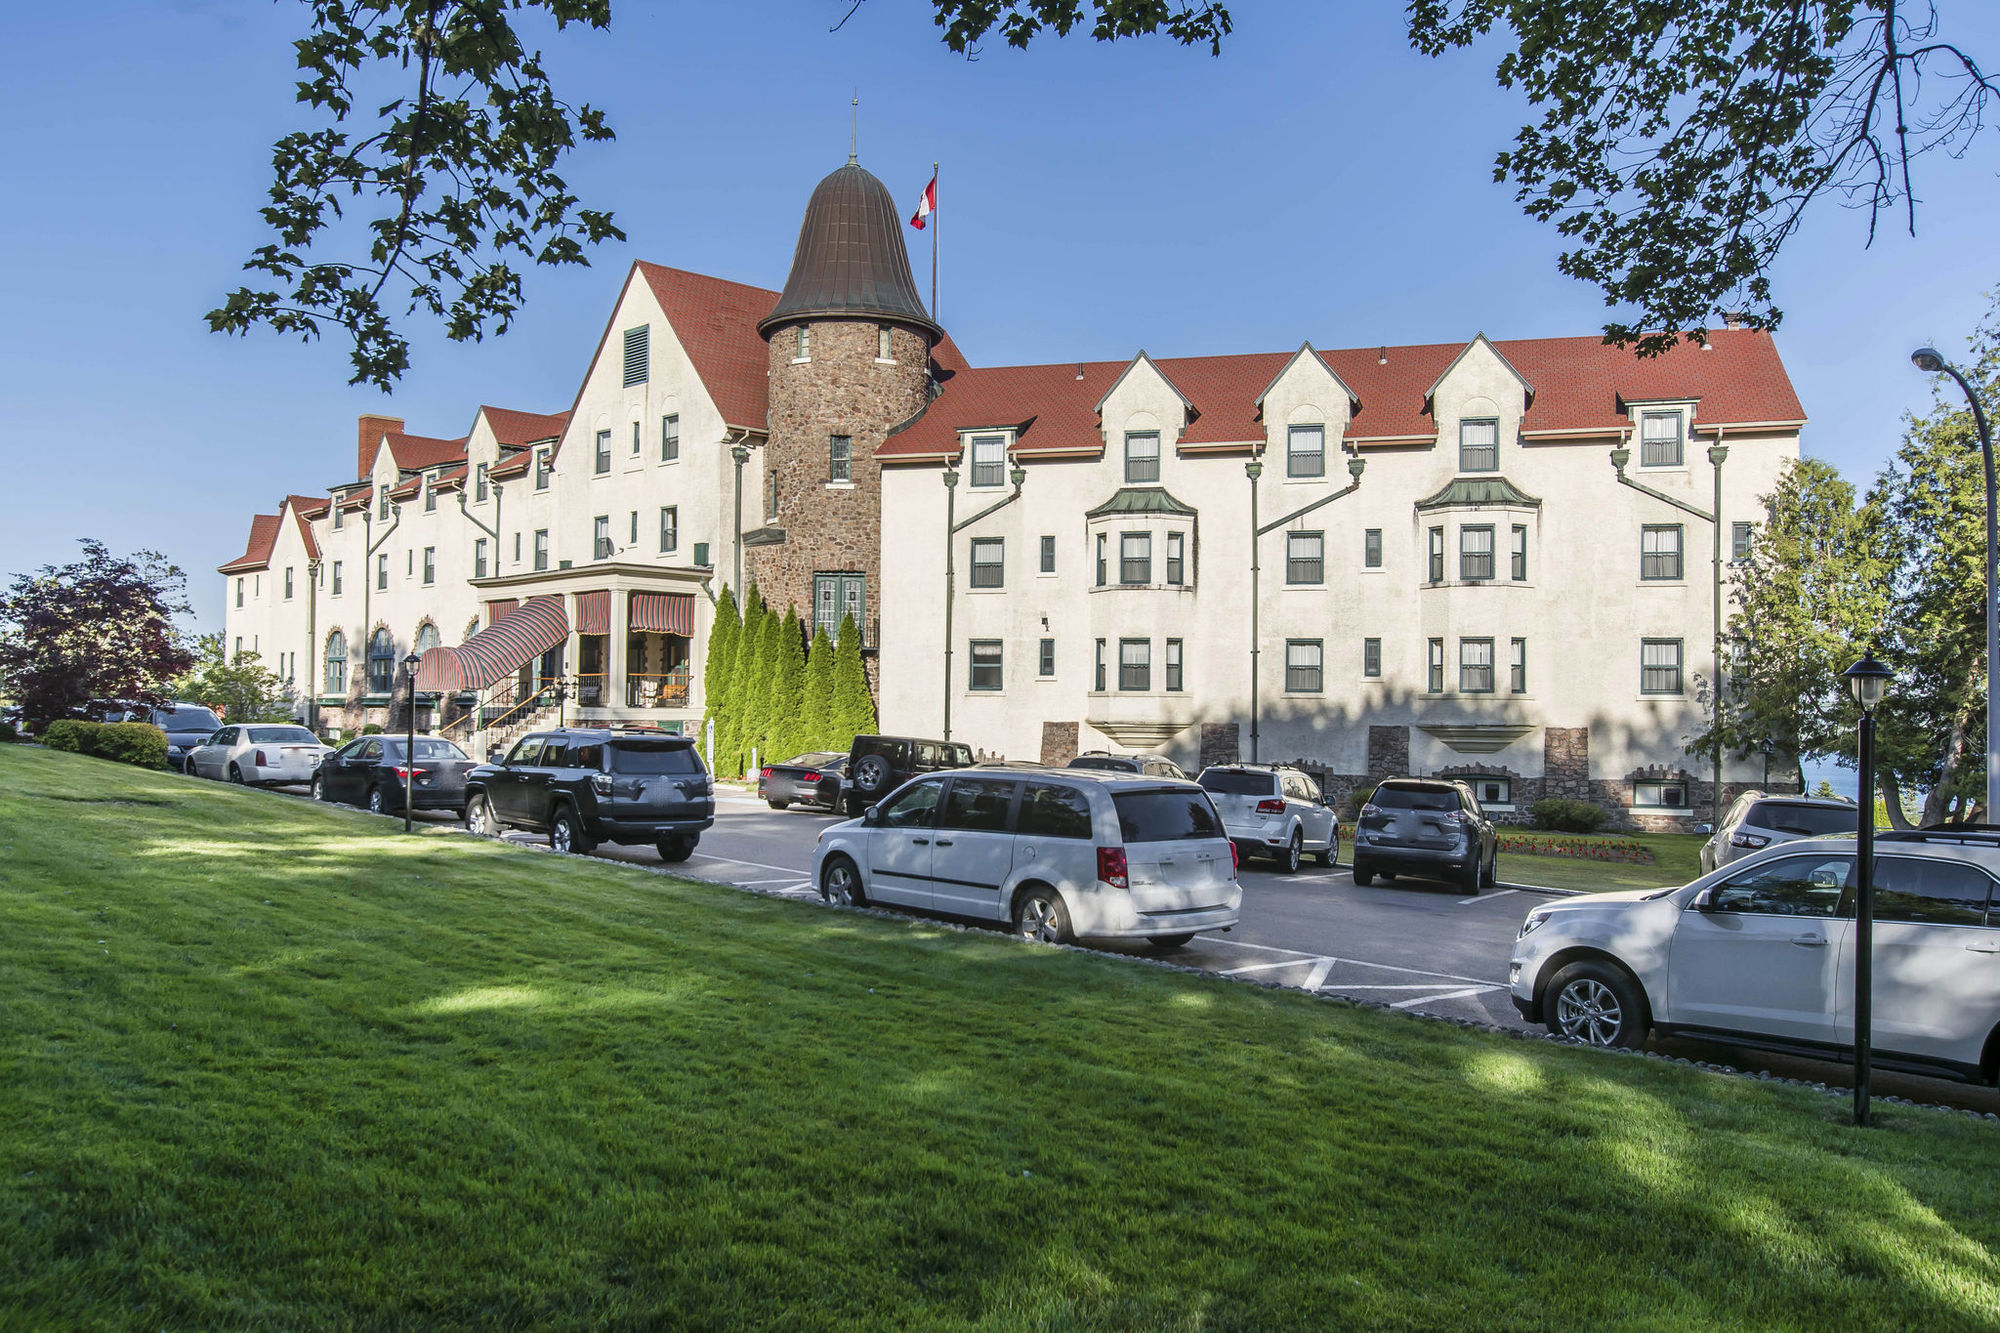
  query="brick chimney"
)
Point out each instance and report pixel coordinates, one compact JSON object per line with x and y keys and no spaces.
{"x":369,"y":431}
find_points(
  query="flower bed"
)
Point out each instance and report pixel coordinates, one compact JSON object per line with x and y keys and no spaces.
{"x":1581,"y":848}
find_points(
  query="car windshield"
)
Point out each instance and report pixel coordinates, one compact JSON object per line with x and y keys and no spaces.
{"x":282,"y":736}
{"x":813,"y":760}
{"x":187,"y":717}
{"x":428,"y":747}
{"x":1237,"y":782}
{"x":1810,"y":821}
{"x":1415,"y":798}
{"x":1165,"y":816}
{"x":648,"y":759}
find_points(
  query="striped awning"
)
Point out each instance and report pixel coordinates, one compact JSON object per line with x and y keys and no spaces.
{"x":664,"y":613}
{"x":495,"y":610}
{"x":503,"y":647}
{"x":593,"y":613}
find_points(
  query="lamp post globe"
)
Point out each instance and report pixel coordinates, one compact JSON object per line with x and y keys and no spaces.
{"x":1927,"y":360}
{"x":1868,"y":681}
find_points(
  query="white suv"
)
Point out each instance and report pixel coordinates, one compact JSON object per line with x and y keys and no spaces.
{"x":1761,"y":953}
{"x":1274,"y":810}
{"x":1060,"y":853}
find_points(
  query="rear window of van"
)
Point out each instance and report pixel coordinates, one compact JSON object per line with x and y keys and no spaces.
{"x":1165,"y":816}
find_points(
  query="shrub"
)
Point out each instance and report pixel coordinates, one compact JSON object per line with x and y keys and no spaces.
{"x":372,"y":729}
{"x":1359,"y":797}
{"x":1564,"y":815}
{"x":66,"y":735}
{"x":138,"y":743}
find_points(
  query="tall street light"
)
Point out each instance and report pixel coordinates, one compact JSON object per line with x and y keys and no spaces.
{"x":739,"y":455}
{"x":1017,"y":475}
{"x":410,"y":754}
{"x":1253,"y":470}
{"x":1928,"y":360}
{"x":1866,"y":681}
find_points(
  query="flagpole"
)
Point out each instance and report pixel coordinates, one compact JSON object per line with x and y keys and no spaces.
{"x":934,"y":227}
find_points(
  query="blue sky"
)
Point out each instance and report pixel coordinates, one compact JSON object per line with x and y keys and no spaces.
{"x":1319,"y":180}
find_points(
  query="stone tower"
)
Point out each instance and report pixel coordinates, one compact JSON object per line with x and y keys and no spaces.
{"x":850,"y":358}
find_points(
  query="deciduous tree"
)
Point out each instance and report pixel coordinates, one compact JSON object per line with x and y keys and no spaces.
{"x":240,"y":690}
{"x":99,"y":628}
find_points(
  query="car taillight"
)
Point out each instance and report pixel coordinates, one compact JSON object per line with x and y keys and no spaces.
{"x":764,"y":772}
{"x":260,"y":760}
{"x":1750,"y":840}
{"x":601,"y":783}
{"x":1111,"y":867}
{"x":812,"y":777}
{"x":410,"y":772}
{"x":1273,"y":806}
{"x":1235,"y":858}
{"x":1370,"y":809}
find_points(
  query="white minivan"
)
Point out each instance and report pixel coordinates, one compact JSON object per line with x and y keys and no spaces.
{"x":1761,"y":953}
{"x":1059,"y":853}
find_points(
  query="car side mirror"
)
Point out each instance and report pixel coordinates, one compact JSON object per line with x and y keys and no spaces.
{"x":872,"y":815}
{"x":1703,"y":901}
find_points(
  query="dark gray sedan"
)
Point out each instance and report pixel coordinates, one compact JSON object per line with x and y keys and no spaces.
{"x":371,"y":772}
{"x":807,"y":779}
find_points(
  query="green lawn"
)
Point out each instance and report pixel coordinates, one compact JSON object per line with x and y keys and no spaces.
{"x":1676,"y":857}
{"x":263,"y":1064}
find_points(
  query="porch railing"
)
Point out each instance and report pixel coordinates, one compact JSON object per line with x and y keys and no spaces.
{"x":658,"y":690}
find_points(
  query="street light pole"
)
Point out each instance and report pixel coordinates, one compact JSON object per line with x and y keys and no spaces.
{"x":740,"y":455}
{"x":1929,"y":360}
{"x":1866,"y":680}
{"x":410,"y":753}
{"x":1255,"y":469}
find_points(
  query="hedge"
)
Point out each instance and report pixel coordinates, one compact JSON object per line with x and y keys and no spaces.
{"x":1567,"y":816}
{"x":139,"y":743}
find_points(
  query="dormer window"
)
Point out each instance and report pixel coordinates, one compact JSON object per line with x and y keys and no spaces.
{"x":989,"y":460}
{"x":430,"y":495}
{"x":1142,"y":457}
{"x":383,"y":510}
{"x":479,"y":484}
{"x":541,"y":469}
{"x":339,"y":516}
{"x":1305,"y":451}
{"x":1479,"y":446}
{"x":1660,"y":439}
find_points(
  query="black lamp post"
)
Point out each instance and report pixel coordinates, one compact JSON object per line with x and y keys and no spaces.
{"x":1928,"y":359}
{"x":1866,"y":681}
{"x":410,"y":754}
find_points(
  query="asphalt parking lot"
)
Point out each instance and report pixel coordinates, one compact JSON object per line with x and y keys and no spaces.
{"x":1411,"y":945}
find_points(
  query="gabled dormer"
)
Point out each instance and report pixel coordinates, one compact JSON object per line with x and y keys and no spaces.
{"x":1305,"y":410}
{"x":1478,"y":403}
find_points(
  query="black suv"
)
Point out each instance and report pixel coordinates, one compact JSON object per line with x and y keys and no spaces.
{"x":877,"y":765}
{"x":587,"y":785}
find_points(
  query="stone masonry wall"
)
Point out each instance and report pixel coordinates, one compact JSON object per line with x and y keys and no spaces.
{"x":1221,"y":743}
{"x":1058,"y":743}
{"x":842,"y":390}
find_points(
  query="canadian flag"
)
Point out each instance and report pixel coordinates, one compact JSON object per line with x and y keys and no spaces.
{"x":926,"y":205}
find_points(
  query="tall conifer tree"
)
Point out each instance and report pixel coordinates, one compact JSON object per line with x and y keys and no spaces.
{"x":715,"y":670}
{"x":737,"y":692}
{"x":853,"y":706}
{"x":816,"y":699}
{"x":788,"y":688}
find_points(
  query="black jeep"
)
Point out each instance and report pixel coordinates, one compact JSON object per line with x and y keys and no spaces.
{"x":877,"y":765}
{"x":587,"y":785}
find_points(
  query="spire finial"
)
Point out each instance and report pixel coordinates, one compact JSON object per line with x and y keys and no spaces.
{"x":854,"y":127}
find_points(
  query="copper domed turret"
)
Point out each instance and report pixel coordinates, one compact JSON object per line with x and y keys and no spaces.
{"x":851,"y":262}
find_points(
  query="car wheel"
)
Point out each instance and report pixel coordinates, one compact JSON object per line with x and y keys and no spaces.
{"x":1492,"y":869}
{"x":871,"y":776}
{"x":1596,"y":1004}
{"x":840,"y":883}
{"x":566,"y":835}
{"x":236,"y":775}
{"x":675,"y":850}
{"x":1473,"y":876}
{"x":1363,"y":875}
{"x":1331,"y":856}
{"x":1164,"y":942}
{"x":377,"y":803}
{"x":1293,"y":854}
{"x":779,"y":805}
{"x":1039,"y":914}
{"x":479,"y":818}
{"x":317,"y":791}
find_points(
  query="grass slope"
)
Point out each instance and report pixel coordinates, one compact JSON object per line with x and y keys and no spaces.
{"x":265,"y":1064}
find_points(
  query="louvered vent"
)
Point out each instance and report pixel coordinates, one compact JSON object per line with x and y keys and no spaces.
{"x":637,"y":342}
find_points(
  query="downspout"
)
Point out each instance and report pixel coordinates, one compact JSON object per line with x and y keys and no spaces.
{"x":312,"y":644}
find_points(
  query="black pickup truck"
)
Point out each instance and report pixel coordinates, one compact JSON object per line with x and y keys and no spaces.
{"x":588,"y":785}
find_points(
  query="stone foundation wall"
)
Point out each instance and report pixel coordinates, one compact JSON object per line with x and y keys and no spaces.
{"x":1221,"y":743}
{"x":1058,"y":743}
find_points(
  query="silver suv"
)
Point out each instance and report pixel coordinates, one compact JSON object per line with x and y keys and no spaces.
{"x":1274,"y":811}
{"x":1761,"y":953}
{"x":1756,"y":821}
{"x":1060,"y":853}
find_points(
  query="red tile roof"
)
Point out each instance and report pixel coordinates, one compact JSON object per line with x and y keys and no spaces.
{"x":304,"y":508}
{"x":411,"y":452}
{"x":257,"y":555}
{"x":1580,"y":385}
{"x":517,"y":466}
{"x":515,"y":429}
{"x":353,"y":500}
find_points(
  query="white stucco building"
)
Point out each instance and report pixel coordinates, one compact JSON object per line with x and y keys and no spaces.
{"x":1451,"y":576}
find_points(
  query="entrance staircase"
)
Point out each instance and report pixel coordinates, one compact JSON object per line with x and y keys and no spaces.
{"x":504,"y":715}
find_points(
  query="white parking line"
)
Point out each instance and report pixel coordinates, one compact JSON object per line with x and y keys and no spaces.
{"x":730,"y":860}
{"x":1385,"y":967}
{"x":1265,"y":967}
{"x":1468,"y":992}
{"x":1483,"y":897}
{"x":1315,"y":977}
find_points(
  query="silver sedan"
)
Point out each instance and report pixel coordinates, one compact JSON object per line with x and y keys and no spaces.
{"x":259,"y":755}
